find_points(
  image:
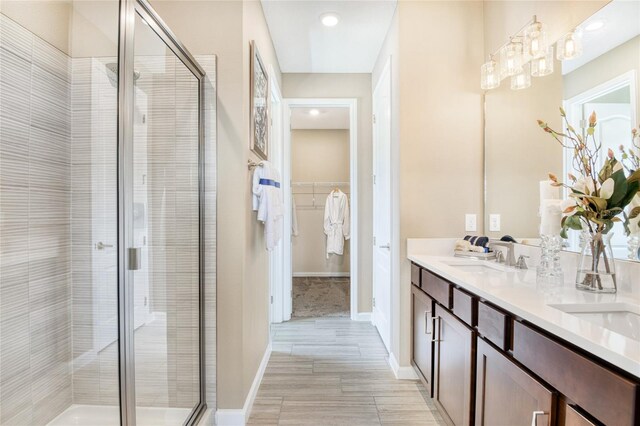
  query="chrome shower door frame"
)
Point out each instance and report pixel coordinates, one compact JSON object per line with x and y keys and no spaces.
{"x":128,"y":11}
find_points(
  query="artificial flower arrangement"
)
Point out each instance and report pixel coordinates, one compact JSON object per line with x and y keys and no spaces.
{"x":597,"y":200}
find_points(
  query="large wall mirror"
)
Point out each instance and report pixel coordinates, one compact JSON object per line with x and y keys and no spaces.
{"x":518,"y":154}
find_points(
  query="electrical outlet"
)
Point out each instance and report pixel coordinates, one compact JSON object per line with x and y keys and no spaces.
{"x":494,"y":222}
{"x":470,"y":223}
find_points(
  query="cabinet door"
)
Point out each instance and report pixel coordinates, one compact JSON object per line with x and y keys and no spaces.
{"x":453,"y":371}
{"x":422,"y":340}
{"x":506,"y":395}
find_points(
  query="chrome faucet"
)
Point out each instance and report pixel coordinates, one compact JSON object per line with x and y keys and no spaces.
{"x":510,"y":258}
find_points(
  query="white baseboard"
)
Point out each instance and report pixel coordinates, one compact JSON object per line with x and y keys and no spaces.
{"x":322,"y":274}
{"x":240,"y":417}
{"x":401,"y":373}
{"x":363,"y":316}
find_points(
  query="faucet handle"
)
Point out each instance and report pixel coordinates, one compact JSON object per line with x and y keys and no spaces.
{"x":499,"y":256}
{"x":522,"y":263}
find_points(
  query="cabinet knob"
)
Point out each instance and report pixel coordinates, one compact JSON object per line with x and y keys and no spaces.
{"x":534,"y":417}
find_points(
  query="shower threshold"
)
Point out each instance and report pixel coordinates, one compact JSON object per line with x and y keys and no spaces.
{"x":109,"y":415}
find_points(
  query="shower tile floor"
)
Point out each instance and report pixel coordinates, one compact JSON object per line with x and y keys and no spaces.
{"x":321,"y":297}
{"x":109,"y":415}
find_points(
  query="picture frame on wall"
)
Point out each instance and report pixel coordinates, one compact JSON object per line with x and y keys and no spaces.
{"x":259,"y":134}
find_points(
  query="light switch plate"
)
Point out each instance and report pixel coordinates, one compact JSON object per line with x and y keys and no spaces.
{"x":470,"y":223}
{"x":494,"y":222}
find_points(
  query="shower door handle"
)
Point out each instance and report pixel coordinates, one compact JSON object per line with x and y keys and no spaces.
{"x":135,"y":260}
{"x":101,"y":246}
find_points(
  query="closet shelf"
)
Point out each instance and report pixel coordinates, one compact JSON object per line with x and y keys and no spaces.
{"x":314,"y":194}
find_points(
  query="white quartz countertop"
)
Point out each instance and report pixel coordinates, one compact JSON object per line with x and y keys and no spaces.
{"x":515,"y":291}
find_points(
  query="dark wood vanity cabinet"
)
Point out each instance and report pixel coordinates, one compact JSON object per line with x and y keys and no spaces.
{"x":485,"y":366}
{"x":422,"y":349}
{"x":507,"y":395}
{"x":453,"y":367}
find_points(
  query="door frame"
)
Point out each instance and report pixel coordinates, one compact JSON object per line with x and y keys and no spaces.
{"x":276,"y":256}
{"x":287,"y":282}
{"x":126,"y":105}
{"x":386,"y":71}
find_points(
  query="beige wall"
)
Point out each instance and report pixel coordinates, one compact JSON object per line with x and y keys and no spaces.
{"x":436,"y":130}
{"x":612,"y":64}
{"x":49,"y":20}
{"x":348,"y":86}
{"x":317,"y":156}
{"x":519,"y":154}
{"x":225,"y":28}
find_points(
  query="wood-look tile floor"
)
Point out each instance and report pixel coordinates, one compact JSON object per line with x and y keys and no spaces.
{"x":334,"y":371}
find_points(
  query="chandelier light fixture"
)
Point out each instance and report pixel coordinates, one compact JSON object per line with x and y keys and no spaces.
{"x":527,"y":54}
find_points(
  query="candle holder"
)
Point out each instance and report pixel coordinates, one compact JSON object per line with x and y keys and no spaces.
{"x":549,"y":274}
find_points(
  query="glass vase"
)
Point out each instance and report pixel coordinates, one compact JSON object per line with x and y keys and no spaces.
{"x":549,"y":275}
{"x":634,"y":247}
{"x":596,"y":269}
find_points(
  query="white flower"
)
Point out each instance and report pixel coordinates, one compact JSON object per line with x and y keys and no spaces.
{"x":608,"y":186}
{"x":566,"y":207}
{"x":617,"y":167}
{"x":584,"y":185}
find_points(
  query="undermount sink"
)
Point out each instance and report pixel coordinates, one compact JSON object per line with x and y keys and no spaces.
{"x":619,"y":317}
{"x":472,"y":266}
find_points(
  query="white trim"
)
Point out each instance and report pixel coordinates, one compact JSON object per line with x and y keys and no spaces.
{"x":352,"y":104}
{"x":401,"y":373}
{"x":276,"y":256}
{"x":364,"y":316}
{"x":322,"y":274}
{"x":240,"y":417}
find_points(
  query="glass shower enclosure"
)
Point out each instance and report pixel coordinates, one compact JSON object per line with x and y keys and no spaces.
{"x":101,"y":217}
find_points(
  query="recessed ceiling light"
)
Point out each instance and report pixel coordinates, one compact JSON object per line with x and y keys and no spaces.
{"x":314,"y":112}
{"x":595,"y":25}
{"x":330,"y":19}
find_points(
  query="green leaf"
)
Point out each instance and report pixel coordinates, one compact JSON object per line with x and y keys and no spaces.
{"x":634,"y":177}
{"x":573,"y":222}
{"x":632,"y":189}
{"x":620,"y":188}
{"x":563,"y":233}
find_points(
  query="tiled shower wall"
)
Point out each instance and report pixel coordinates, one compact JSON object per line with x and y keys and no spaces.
{"x":35,"y":228}
{"x":58,"y":320}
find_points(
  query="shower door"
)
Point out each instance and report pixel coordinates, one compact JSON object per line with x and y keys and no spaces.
{"x":161,"y":185}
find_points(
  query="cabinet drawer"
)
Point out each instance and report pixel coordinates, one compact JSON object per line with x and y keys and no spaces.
{"x":569,"y":416}
{"x":415,"y":275}
{"x":604,"y":394}
{"x":464,"y":306}
{"x":493,"y":325}
{"x":436,"y":287}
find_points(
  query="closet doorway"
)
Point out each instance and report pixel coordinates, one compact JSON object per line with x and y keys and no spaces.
{"x":320,"y":169}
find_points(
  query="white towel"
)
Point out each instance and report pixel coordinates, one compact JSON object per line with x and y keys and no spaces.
{"x":267,"y":201}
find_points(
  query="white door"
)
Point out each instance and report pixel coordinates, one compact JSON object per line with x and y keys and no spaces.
{"x":382,"y":206}
{"x":276,"y":256}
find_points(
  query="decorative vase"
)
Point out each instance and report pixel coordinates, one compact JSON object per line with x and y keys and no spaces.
{"x":596,"y":270}
{"x":634,"y":247}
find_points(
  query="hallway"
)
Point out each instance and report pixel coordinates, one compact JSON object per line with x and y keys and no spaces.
{"x":334,"y":371}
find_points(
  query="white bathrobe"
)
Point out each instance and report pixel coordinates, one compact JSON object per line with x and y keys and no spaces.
{"x":267,"y":201}
{"x":336,"y":222}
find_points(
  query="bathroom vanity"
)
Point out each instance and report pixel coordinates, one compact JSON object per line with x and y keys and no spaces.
{"x":492,"y":349}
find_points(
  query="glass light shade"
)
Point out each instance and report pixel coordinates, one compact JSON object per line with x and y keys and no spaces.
{"x":522,"y":80}
{"x":535,"y":40}
{"x":544,"y":65}
{"x":511,"y":59}
{"x":570,"y":46}
{"x":489,"y":75}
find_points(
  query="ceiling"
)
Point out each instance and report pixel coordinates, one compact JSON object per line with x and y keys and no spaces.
{"x":304,"y":45}
{"x":621,"y":23}
{"x":328,"y":118}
